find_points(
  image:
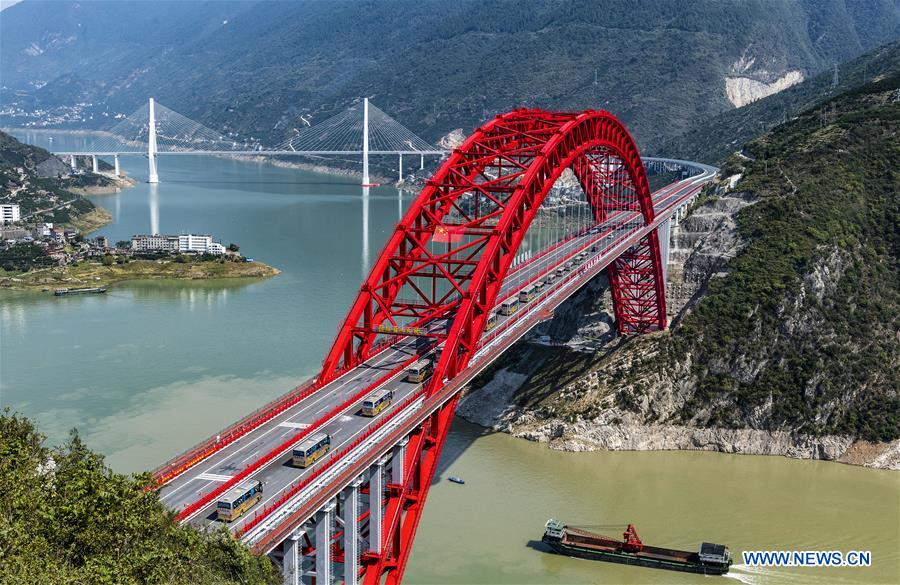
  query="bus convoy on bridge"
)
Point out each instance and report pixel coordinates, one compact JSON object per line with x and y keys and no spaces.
{"x":246,"y":494}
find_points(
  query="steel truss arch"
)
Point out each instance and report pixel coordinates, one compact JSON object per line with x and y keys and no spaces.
{"x":475,"y":210}
{"x":485,"y":196}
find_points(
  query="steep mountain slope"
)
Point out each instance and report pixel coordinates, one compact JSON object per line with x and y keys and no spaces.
{"x":715,"y":139}
{"x":796,"y":348}
{"x":255,"y":67}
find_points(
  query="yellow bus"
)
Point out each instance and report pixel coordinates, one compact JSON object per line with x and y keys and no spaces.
{"x":377,"y":402}
{"x":509,"y":306}
{"x":526,"y":295}
{"x":241,"y":497}
{"x":491,"y":322}
{"x":419,"y":371}
{"x":311,"y":449}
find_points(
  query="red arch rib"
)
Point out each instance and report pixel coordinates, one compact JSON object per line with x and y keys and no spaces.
{"x":489,"y":190}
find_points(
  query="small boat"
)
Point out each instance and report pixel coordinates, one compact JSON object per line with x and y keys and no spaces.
{"x":60,"y":292}
{"x":455,"y":479}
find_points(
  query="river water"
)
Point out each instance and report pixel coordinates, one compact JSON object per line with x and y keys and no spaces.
{"x":152,"y":367}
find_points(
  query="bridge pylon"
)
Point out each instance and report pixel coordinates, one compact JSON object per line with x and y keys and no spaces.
{"x":152,"y":176}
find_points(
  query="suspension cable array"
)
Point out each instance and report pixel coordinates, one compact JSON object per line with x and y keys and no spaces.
{"x":344,"y":132}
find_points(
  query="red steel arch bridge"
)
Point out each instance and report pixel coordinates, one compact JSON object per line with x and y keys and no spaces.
{"x":489,"y":248}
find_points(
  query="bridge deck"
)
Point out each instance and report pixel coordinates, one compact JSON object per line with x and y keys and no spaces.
{"x":207,"y":475}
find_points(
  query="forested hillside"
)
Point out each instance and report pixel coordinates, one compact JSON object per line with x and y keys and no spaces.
{"x":67,"y":518}
{"x":799,"y":335}
{"x":256,"y":67}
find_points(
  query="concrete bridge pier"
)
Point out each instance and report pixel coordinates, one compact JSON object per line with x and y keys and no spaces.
{"x":664,"y":232}
{"x":292,"y":567}
{"x":400,"y":172}
{"x":324,"y":531}
{"x":116,"y":159}
{"x":350,"y":520}
{"x":397,"y":461}
{"x":376,"y":505}
{"x":94,"y":166}
{"x":72,"y":162}
{"x":421,"y":162}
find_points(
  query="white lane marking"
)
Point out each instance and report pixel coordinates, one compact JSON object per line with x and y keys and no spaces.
{"x":214,"y":477}
{"x":225,"y":455}
{"x":294,"y":425}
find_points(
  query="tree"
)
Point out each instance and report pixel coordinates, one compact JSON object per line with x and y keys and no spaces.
{"x":232,"y":247}
{"x":107,"y":260}
{"x":123,"y":244}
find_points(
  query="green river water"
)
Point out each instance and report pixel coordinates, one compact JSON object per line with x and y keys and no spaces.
{"x":152,"y":367}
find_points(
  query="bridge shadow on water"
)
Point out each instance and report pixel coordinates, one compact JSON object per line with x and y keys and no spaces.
{"x":463,"y":435}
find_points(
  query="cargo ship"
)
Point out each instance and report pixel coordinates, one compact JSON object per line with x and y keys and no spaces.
{"x":710,"y":559}
{"x":60,"y":292}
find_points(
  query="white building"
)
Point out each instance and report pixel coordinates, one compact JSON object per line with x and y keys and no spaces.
{"x":202,"y":244}
{"x":9,"y":213}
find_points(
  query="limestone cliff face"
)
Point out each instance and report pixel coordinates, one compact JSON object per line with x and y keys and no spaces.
{"x":744,"y":90}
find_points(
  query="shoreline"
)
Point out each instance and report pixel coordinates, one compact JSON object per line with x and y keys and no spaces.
{"x":490,"y":407}
{"x":94,"y":274}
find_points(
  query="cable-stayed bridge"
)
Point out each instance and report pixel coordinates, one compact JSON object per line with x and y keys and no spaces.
{"x":330,"y":480}
{"x":154,"y":130}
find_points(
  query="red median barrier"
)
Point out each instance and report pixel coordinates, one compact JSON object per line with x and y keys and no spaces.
{"x":178,"y":465}
{"x":282,"y":447}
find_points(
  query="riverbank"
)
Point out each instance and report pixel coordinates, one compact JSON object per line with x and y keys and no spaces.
{"x":116,"y":185}
{"x":491,"y":406}
{"x":96,"y":274}
{"x":91,"y":221}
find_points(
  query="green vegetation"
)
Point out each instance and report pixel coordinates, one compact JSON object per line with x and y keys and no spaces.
{"x":39,"y":183}
{"x":23,"y":258}
{"x":68,"y":519}
{"x":803,"y":333}
{"x":104,"y":271}
{"x":812,"y":304}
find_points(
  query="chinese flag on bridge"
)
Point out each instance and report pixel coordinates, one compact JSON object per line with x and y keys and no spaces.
{"x":443,"y":233}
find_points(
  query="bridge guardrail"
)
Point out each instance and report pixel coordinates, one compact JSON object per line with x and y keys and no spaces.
{"x":298,"y":486}
{"x":204,"y":501}
{"x":181,"y":463}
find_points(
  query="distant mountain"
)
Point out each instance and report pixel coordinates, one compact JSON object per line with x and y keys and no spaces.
{"x":715,"y":139}
{"x":255,"y":67}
